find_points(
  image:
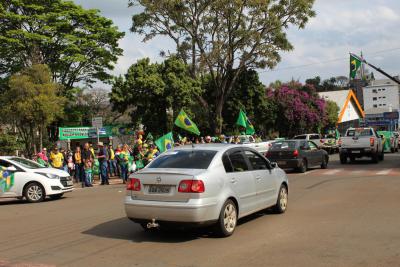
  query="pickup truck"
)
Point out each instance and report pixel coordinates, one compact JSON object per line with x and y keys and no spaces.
{"x":361,"y":142}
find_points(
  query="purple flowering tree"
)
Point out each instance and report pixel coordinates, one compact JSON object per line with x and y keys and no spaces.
{"x":299,"y":109}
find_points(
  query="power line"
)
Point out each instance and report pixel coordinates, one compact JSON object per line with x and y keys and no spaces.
{"x":327,"y":61}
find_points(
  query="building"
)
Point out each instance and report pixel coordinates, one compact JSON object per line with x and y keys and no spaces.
{"x":350,"y":111}
{"x":381,"y":94}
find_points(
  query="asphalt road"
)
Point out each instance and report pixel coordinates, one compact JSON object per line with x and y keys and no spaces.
{"x":346,"y":215}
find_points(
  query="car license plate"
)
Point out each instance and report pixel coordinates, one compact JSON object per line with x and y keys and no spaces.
{"x":70,"y":183}
{"x":281,"y":162}
{"x":159,"y":189}
{"x":356,"y":151}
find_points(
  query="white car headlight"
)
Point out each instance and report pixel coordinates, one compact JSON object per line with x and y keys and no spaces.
{"x":49,"y":175}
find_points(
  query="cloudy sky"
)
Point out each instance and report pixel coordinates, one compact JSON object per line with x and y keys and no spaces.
{"x":321,"y":49}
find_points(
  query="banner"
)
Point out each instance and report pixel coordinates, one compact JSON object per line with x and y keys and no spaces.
{"x":83,"y":132}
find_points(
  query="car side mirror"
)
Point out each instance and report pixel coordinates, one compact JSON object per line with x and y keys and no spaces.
{"x":11,"y":169}
{"x":273,"y":165}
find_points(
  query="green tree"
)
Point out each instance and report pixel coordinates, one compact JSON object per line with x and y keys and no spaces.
{"x":156,"y":92}
{"x":223,"y":38}
{"x":31,"y":104}
{"x":78,"y":45}
{"x":332,"y":111}
{"x":9,"y":144}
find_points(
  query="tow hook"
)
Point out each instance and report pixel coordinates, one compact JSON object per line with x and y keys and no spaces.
{"x":152,"y":224}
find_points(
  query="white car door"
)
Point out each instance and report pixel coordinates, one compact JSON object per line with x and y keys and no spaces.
{"x":241,"y":180}
{"x":8,"y":186}
{"x":264,"y":178}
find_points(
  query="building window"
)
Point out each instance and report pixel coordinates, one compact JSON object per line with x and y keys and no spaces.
{"x":374,"y":98}
{"x":384,"y":104}
{"x":375,"y":106}
{"x":374,"y":91}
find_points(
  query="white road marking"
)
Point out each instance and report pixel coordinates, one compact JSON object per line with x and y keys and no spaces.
{"x":384,"y":172}
{"x":332,"y":172}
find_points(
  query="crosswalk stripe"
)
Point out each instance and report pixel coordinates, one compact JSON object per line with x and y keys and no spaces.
{"x":332,"y":172}
{"x":384,"y":172}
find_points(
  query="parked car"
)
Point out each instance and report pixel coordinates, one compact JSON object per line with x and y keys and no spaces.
{"x":213,"y":184}
{"x":23,"y":178}
{"x":249,"y":141}
{"x":298,"y":154}
{"x":316,"y":138}
{"x":361,"y":142}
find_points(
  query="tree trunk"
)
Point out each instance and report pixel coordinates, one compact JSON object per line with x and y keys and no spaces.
{"x":218,"y":115}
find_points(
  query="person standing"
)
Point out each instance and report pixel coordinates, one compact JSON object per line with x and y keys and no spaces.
{"x":123,"y":162}
{"x":79,"y":170}
{"x":57,"y":159}
{"x":112,"y":164}
{"x":87,"y":159}
{"x":42,"y":157}
{"x":102,"y":156}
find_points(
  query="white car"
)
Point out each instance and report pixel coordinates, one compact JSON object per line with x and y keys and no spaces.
{"x":203,"y":185}
{"x":22,"y":178}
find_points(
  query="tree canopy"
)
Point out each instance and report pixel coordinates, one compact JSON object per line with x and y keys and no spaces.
{"x":31,"y":103}
{"x":78,"y":45}
{"x":222,"y":38}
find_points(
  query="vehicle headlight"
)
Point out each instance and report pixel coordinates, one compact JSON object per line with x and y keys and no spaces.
{"x":49,"y":175}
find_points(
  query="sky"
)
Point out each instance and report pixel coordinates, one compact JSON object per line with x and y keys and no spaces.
{"x":321,"y":49}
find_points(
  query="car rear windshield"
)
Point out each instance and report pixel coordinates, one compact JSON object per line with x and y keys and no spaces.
{"x":300,"y":137}
{"x":284,"y":145}
{"x":359,"y":132}
{"x":184,"y":159}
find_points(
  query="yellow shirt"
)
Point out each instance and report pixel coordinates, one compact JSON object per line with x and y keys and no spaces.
{"x":56,"y":159}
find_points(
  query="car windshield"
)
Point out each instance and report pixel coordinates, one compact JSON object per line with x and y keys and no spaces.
{"x":284,"y":145}
{"x":300,"y":137}
{"x":26,"y":163}
{"x":359,"y":132}
{"x":184,"y":159}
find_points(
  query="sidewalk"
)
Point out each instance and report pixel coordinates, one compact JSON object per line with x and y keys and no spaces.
{"x":113,"y":180}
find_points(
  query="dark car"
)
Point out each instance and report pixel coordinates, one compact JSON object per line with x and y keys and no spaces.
{"x":298,"y":155}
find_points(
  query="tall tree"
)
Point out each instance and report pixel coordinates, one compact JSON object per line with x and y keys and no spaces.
{"x":31,"y":104}
{"x":223,"y":37}
{"x":78,"y":45}
{"x":156,"y":92}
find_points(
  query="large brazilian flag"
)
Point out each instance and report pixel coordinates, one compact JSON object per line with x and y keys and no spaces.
{"x":184,"y":122}
{"x":165,"y":142}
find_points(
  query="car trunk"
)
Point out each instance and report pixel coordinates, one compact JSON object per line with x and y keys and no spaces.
{"x":281,"y":154}
{"x":162,"y":184}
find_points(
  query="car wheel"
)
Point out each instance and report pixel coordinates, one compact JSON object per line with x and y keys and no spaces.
{"x":303,"y":167}
{"x":324,"y":163}
{"x":352,"y":159}
{"x":34,"y":192}
{"x":56,"y":196}
{"x":282,"y":201}
{"x":227,"y":221}
{"x":343,"y":159}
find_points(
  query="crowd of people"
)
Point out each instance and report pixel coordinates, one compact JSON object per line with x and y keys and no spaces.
{"x":106,"y":161}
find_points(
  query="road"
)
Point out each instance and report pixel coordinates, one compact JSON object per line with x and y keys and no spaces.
{"x":346,"y":215}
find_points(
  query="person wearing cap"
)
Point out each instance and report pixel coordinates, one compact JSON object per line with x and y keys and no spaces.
{"x":57,"y":159}
{"x":102,"y":156}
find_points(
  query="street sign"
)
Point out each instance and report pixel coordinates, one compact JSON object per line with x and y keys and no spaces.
{"x":97,"y":122}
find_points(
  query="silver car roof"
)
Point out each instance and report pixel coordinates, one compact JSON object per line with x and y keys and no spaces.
{"x":213,"y":146}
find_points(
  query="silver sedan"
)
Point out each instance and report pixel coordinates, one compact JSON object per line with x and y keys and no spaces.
{"x":205,"y":184}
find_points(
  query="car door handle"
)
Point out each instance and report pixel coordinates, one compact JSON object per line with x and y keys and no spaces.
{"x":233,"y":180}
{"x":258,"y":177}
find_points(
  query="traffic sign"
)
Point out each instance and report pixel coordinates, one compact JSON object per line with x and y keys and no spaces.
{"x":97,"y":122}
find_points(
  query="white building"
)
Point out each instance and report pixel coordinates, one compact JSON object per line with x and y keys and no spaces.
{"x":382,"y":94}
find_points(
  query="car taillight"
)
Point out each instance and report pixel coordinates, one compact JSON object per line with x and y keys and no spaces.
{"x":191,"y":186}
{"x":372,"y":141}
{"x":133,"y":185}
{"x":295,"y":153}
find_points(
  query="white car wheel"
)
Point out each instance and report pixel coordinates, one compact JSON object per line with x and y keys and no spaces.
{"x":282,"y":201}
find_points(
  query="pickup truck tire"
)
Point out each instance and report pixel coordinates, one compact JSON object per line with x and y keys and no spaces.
{"x":352,"y":159}
{"x":381,"y":156}
{"x":392,"y":150}
{"x":375,"y":158}
{"x":303,"y":167}
{"x":343,"y":159}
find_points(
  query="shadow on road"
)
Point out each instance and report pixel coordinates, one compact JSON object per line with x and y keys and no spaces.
{"x":125,"y":229}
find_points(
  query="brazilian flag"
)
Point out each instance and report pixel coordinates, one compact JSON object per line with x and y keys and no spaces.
{"x":184,"y":122}
{"x":165,"y":142}
{"x":245,"y":123}
{"x":355,"y":64}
